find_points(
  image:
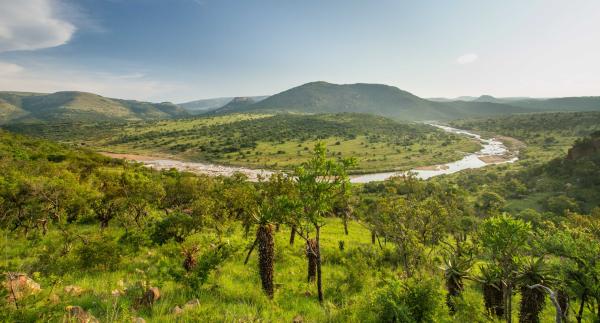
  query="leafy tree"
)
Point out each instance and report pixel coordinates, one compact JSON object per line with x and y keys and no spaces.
{"x":320,"y":181}
{"x":505,"y":239}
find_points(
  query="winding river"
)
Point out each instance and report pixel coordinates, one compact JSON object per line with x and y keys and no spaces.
{"x":493,"y":152}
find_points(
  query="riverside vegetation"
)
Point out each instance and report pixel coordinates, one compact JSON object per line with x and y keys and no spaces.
{"x":89,"y":237}
{"x":271,"y":141}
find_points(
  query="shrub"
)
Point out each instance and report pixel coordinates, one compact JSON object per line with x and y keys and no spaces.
{"x":101,"y":252}
{"x":415,"y":300}
{"x":176,"y":226}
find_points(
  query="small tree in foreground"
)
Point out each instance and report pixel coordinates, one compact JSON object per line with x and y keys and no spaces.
{"x":320,"y":182}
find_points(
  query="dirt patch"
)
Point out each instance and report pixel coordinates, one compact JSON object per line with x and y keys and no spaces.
{"x":493,"y":159}
{"x":140,"y":158}
{"x":512,"y":143}
{"x":433,"y":167}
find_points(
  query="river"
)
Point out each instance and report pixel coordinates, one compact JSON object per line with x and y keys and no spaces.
{"x":493,"y":151}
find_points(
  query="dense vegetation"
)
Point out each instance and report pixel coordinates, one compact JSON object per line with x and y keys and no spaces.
{"x":19,"y":107}
{"x":546,"y":135}
{"x":116,"y":241}
{"x":278,"y":142}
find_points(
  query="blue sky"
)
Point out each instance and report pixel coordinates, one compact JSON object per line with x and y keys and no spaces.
{"x":179,"y":50}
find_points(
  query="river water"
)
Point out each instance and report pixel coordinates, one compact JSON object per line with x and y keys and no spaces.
{"x":493,"y":151}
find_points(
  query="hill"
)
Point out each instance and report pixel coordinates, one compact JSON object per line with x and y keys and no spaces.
{"x":206,"y":105}
{"x":377,"y":99}
{"x":22,"y":107}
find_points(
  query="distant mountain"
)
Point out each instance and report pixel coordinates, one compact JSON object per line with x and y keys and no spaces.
{"x":377,"y":99}
{"x":568,"y":104}
{"x":240,"y":104}
{"x":24,"y":107}
{"x":206,"y":105}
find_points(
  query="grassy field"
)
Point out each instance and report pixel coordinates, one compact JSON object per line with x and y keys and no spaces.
{"x":274,"y":142}
{"x":233,"y":293}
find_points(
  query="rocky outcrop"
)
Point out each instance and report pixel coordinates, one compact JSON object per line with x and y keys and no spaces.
{"x":584,"y":148}
{"x":20,"y":285}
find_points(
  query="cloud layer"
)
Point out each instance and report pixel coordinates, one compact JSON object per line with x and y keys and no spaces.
{"x":32,"y":24}
{"x":467,"y":58}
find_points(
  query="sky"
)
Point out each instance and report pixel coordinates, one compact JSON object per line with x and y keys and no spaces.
{"x":182,"y":50}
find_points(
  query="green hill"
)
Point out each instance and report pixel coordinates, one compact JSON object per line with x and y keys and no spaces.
{"x":207,"y":105}
{"x":377,"y":99}
{"x":569,"y":104}
{"x":22,"y":107}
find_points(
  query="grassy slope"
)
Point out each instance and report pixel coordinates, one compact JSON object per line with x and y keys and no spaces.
{"x":281,"y":141}
{"x":233,"y":292}
{"x":79,"y":106}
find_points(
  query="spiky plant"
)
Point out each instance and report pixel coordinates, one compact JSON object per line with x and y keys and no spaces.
{"x":190,"y":260}
{"x":266,"y":256}
{"x":456,"y":269}
{"x":311,"y":255}
{"x":492,"y":290}
{"x":532,"y":272}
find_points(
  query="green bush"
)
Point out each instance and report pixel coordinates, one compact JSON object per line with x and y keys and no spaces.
{"x":412,"y":301}
{"x":176,"y":226}
{"x":101,"y":252}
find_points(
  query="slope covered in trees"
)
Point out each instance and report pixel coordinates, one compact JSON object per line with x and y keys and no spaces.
{"x":376,"y":99}
{"x":23,"y":107}
{"x":86,"y":236}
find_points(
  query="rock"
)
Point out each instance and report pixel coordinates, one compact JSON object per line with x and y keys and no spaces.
{"x":19,"y":285}
{"x":298,"y":319}
{"x":73,"y":290}
{"x":177,"y":310}
{"x":54,"y":298}
{"x":78,"y":314}
{"x":191,"y":304}
{"x":116,"y":293}
{"x":138,"y":320}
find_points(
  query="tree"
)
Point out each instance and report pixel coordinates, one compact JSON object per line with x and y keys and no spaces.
{"x":320,"y":181}
{"x":532,"y":272}
{"x":505,"y":239}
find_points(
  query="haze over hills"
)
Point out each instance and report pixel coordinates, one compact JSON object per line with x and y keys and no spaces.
{"x":378,"y":99}
{"x":206,"y":105}
{"x":24,"y":107}
{"x":389,"y":101}
{"x":310,"y":98}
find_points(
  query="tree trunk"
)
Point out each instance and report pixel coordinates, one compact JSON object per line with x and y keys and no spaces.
{"x":311,"y":255}
{"x":373,"y":237}
{"x":319,"y":276}
{"x":563,"y":302}
{"x":266,"y":255}
{"x":532,"y":304}
{"x":508,"y":306}
{"x":581,"y":306}
{"x":292,"y":235}
{"x":346,"y":223}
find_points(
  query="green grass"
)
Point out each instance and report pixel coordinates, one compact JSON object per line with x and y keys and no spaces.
{"x":233,"y":293}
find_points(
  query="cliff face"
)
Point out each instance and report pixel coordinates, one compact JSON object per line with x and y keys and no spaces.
{"x":585,"y":148}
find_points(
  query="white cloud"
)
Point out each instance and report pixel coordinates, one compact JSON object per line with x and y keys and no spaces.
{"x":7,"y":69}
{"x":467,"y":58}
{"x":32,"y":24}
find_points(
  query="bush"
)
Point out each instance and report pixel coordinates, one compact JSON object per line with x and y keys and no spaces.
{"x":176,"y":226}
{"x":101,"y":252}
{"x":415,"y":300}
